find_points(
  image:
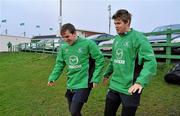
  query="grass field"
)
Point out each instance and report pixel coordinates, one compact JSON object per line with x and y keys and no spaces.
{"x":23,"y":90}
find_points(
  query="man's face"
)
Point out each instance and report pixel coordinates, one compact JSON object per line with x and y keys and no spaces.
{"x":69,"y":37}
{"x":120,"y":26}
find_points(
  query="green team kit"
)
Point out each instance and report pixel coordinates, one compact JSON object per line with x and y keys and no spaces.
{"x":126,"y":48}
{"x":76,"y":57}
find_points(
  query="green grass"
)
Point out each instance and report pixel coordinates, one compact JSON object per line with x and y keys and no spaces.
{"x":23,"y":90}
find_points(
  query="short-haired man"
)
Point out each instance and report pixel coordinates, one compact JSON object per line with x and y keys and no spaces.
{"x":75,"y":54}
{"x":127,"y":83}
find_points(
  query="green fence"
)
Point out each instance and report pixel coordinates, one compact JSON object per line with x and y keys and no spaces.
{"x":167,"y":45}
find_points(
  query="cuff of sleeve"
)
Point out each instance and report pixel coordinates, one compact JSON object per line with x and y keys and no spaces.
{"x":50,"y":80}
{"x":139,"y":82}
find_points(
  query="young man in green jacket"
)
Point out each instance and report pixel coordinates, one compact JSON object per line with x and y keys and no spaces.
{"x":127,"y":82}
{"x":76,"y":54}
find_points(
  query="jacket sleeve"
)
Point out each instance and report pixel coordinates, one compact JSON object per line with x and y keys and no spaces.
{"x":99,"y":61}
{"x":109,"y":69}
{"x":147,"y":59}
{"x":58,"y":68}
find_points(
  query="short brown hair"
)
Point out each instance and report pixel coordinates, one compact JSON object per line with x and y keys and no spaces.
{"x":122,"y":14}
{"x":68,"y":26}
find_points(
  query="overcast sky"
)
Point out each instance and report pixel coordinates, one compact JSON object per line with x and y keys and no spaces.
{"x":84,"y":14}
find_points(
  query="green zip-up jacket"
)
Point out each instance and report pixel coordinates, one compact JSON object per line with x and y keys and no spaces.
{"x":126,"y":48}
{"x":76,"y":57}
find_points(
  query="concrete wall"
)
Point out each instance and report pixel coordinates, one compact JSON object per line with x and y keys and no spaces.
{"x":15,"y":40}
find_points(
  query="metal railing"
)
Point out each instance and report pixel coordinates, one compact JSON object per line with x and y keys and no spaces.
{"x":43,"y":47}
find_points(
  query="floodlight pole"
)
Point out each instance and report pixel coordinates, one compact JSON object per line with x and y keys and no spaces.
{"x":60,"y":17}
{"x":109,"y":9}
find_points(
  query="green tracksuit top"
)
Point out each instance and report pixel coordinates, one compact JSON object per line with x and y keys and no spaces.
{"x":125,"y":49}
{"x":76,"y":57}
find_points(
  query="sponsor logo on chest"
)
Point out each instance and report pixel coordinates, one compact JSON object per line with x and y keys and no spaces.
{"x":73,"y":62}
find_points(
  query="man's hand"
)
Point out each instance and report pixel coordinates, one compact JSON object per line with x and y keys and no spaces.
{"x":105,"y":80}
{"x":134,"y":88}
{"x":50,"y":84}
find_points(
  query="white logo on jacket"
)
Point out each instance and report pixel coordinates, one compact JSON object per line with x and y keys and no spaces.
{"x":119,"y":53}
{"x":80,"y":50}
{"x":126,"y":44}
{"x":119,"y":56}
{"x":73,"y":61}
